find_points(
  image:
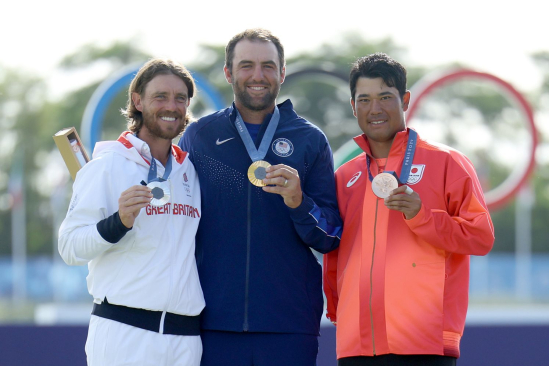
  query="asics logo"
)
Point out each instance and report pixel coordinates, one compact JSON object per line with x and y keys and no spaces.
{"x":222,"y":142}
{"x":354,"y":179}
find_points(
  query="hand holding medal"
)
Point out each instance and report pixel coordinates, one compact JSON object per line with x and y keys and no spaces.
{"x":280,"y":179}
{"x":131,"y":201}
{"x":284,"y":180}
{"x":386,"y":185}
{"x":405,"y":200}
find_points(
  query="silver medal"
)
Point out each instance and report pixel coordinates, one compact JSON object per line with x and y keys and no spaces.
{"x":161,"y":193}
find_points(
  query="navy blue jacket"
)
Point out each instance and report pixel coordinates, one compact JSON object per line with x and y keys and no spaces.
{"x":256,"y":267}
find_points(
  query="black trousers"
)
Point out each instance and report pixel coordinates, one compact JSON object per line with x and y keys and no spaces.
{"x":398,"y":360}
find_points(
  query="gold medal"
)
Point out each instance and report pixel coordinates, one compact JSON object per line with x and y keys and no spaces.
{"x":256,"y":172}
{"x":383,"y":184}
{"x":161,"y":193}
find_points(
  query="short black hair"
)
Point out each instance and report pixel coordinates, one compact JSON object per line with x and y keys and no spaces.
{"x":253,"y":35}
{"x":379,"y":65}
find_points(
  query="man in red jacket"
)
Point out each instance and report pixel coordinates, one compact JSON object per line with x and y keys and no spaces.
{"x":413,"y":212}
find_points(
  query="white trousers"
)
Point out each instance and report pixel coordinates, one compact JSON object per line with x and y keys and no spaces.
{"x":112,"y":343}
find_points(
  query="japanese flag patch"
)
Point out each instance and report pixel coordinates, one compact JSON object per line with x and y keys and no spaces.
{"x":416,"y":173}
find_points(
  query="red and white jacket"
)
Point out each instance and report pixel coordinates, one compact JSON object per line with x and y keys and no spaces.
{"x":401,"y":286}
{"x":153,"y":266}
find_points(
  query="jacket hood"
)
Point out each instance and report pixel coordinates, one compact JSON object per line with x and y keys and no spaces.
{"x":124,"y":146}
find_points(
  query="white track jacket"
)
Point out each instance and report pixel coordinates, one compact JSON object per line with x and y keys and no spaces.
{"x":153,"y":266}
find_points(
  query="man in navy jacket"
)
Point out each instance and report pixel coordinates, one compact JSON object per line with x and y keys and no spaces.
{"x":268,"y":197}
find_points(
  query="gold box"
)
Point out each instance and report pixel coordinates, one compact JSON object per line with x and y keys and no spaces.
{"x":70,"y":146}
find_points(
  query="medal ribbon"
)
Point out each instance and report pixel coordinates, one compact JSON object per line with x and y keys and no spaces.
{"x":254,"y":153}
{"x":408,"y":159}
{"x":153,"y":177}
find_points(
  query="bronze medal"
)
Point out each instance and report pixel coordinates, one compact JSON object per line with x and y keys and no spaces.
{"x":383,"y":184}
{"x":256,"y":172}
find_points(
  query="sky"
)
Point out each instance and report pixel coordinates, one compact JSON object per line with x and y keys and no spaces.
{"x":489,"y":36}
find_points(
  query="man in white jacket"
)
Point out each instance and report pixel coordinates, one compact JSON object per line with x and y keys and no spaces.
{"x":132,"y":218}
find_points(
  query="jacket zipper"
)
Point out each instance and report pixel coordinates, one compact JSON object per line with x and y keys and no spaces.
{"x":170,"y":289}
{"x":372,"y":281}
{"x":248,"y":239}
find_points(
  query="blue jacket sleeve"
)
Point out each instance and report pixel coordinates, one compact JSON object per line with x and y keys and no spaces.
{"x":317,"y":219}
{"x":185,"y":140}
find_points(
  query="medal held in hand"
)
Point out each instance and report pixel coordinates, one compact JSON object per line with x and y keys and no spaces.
{"x":161,"y":193}
{"x":384,"y":183}
{"x":256,"y":172}
{"x":160,"y":186}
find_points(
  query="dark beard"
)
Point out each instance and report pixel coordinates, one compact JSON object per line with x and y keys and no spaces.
{"x":155,"y":130}
{"x":243,"y":97}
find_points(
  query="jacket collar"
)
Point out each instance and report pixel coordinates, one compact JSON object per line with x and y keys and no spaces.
{"x":129,"y":140}
{"x":284,"y":108}
{"x":399,"y":143}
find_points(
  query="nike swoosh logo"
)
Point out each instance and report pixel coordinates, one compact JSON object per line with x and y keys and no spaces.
{"x":222,"y":142}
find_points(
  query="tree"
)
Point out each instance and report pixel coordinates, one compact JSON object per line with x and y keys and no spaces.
{"x":29,"y":119}
{"x":21,"y":101}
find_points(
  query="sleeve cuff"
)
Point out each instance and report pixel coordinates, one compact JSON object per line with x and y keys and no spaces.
{"x":112,"y":229}
{"x":302,"y":211}
{"x":417,"y":220}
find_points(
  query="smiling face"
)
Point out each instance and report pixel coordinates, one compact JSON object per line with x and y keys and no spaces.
{"x":380,"y":113}
{"x":256,"y":75}
{"x":164,"y":106}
